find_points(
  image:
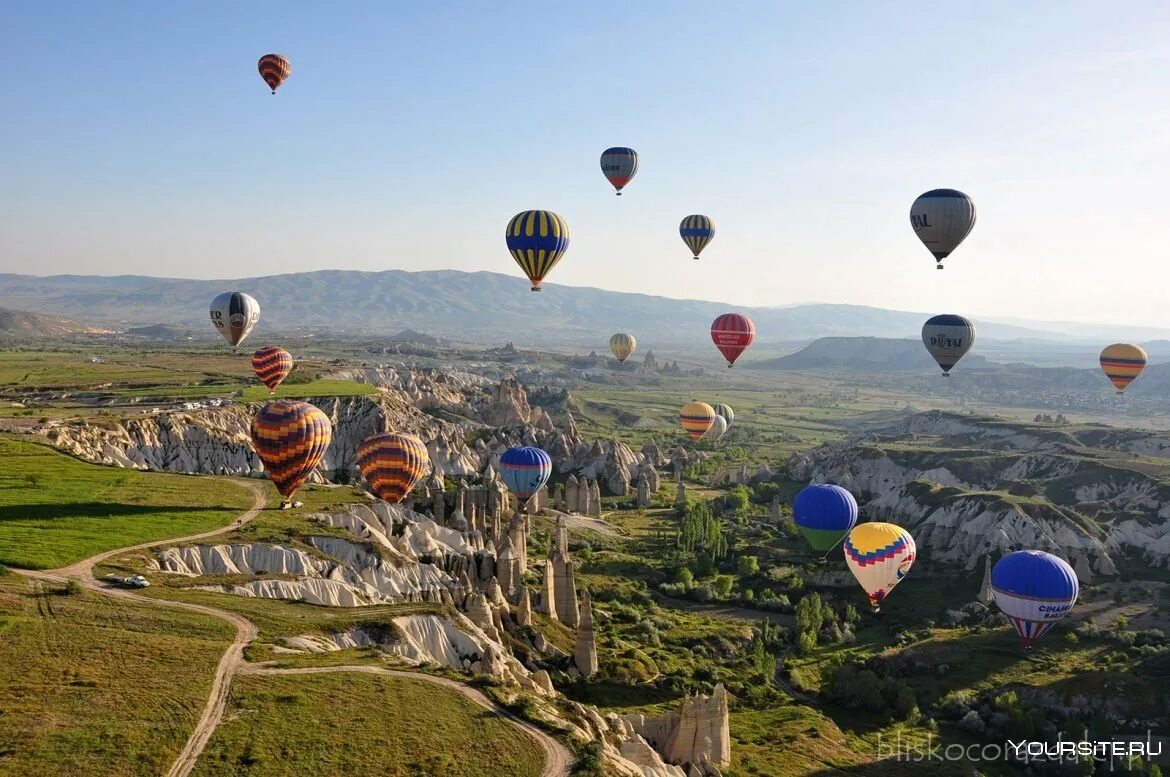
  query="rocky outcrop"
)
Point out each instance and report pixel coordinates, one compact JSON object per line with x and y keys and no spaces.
{"x":585,"y":653}
{"x":699,"y":734}
{"x":1042,"y":488}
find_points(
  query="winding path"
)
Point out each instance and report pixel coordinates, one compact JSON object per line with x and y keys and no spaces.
{"x":557,"y":759}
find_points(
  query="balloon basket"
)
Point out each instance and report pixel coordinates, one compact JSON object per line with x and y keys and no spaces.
{"x":619,"y":194}
{"x":938,"y":266}
{"x":536,"y":288}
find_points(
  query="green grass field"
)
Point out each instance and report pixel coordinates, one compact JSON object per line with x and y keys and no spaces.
{"x":56,"y":510}
{"x":356,"y":724}
{"x":92,"y":685}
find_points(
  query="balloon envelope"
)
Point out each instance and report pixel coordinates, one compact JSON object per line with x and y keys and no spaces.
{"x":824,"y":514}
{"x":620,"y":165}
{"x":1122,"y":362}
{"x":274,"y":69}
{"x":537,"y":239}
{"x":622,"y":346}
{"x":732,"y":333}
{"x":725,"y":411}
{"x":879,"y":555}
{"x":948,"y":337}
{"x":717,"y":430}
{"x":942,"y":219}
{"x":1034,"y":590}
{"x":696,"y":418}
{"x":235,"y":314}
{"x":290,"y":438}
{"x":697,"y":231}
{"x":393,"y":464}
{"x":272,"y":365}
{"x":525,"y":470}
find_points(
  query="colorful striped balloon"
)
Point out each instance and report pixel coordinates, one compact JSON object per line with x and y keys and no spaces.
{"x":697,"y":231}
{"x":274,"y":69}
{"x":1122,"y":362}
{"x":723,"y":409}
{"x":537,"y":240}
{"x":620,"y":165}
{"x":291,"y":439}
{"x":393,"y":464}
{"x":879,"y":555}
{"x":622,"y":345}
{"x":732,"y":333}
{"x":1034,"y":590}
{"x":272,"y":365}
{"x":696,"y":418}
{"x":525,"y":470}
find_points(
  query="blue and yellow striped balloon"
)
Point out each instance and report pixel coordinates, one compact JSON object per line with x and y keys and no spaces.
{"x":537,"y":240}
{"x":697,"y":231}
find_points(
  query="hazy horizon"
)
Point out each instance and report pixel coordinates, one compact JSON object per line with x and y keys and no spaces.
{"x":416,"y":132}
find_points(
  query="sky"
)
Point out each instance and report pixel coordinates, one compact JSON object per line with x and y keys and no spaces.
{"x":138,"y":138}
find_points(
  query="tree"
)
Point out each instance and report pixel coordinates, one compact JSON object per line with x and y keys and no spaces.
{"x":684,"y":577}
{"x":810,"y":617}
{"x":748,"y":565}
{"x":723,"y":585}
{"x":739,"y":498}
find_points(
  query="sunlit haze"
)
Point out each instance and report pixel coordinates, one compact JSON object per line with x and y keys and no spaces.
{"x":139,"y":139}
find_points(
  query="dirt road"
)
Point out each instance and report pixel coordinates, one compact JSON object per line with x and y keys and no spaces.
{"x":557,"y":758}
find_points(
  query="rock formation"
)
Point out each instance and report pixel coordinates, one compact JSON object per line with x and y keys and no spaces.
{"x":699,"y":734}
{"x":585,"y":653}
{"x":644,"y":497}
{"x":564,"y":584}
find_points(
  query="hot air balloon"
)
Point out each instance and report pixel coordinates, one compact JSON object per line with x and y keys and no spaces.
{"x":274,"y":69}
{"x":537,"y":240}
{"x":290,"y":438}
{"x":622,"y":346}
{"x":717,"y":430}
{"x":724,"y":410}
{"x":272,"y":365}
{"x":696,"y":418}
{"x":1034,"y":590}
{"x":697,"y":232}
{"x":234,"y":314}
{"x":947,"y":338}
{"x":620,"y":165}
{"x":1122,"y":363}
{"x":942,"y":219}
{"x":525,"y":471}
{"x":732,"y":333}
{"x":879,"y":555}
{"x":824,"y":514}
{"x":393,"y":464}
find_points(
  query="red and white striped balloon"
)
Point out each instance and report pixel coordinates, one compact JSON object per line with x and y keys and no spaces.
{"x":732,"y":333}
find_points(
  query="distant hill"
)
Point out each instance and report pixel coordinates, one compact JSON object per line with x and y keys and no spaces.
{"x":861,"y":354}
{"x":482,"y":305}
{"x":39,"y":325}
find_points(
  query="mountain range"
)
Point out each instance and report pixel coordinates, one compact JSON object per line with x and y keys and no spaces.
{"x":477,"y":306}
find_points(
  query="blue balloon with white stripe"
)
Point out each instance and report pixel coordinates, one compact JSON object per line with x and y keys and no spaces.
{"x":525,"y":470}
{"x":1034,"y":590}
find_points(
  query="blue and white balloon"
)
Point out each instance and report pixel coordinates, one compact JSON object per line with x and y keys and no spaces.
{"x":1034,"y":590}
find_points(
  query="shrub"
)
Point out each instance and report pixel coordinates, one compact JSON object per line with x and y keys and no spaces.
{"x":748,"y":565}
{"x":72,"y":588}
{"x":723,"y":585}
{"x":684,"y":577}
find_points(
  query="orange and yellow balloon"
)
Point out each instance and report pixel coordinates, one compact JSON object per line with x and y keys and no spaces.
{"x":1122,"y":362}
{"x":291,"y":439}
{"x":696,"y":418}
{"x":274,"y":69}
{"x":272,"y":365}
{"x":393,"y":464}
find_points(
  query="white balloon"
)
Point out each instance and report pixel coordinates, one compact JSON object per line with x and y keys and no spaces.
{"x":235,"y":314}
{"x":942,"y":219}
